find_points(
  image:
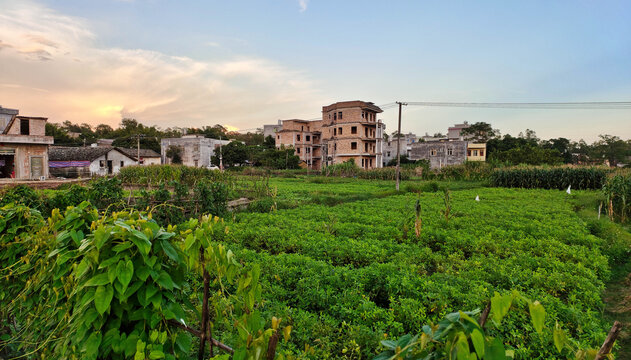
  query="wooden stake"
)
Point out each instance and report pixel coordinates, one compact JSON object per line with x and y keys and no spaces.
{"x":204,"y":331}
{"x":485,"y":315}
{"x":609,"y":341}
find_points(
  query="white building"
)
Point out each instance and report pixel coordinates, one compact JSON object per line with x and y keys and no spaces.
{"x":195,"y":150}
{"x":71,"y":162}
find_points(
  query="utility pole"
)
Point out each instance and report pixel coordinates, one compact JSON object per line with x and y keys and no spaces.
{"x":138,"y":157}
{"x":220,"y":155}
{"x":399,"y":145}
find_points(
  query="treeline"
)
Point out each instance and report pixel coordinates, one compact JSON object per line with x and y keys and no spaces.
{"x":126,"y":135}
{"x":527,"y":148}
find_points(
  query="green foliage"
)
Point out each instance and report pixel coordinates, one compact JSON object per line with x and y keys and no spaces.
{"x":460,"y":336}
{"x":273,"y":158}
{"x":617,"y":191}
{"x":233,"y":154}
{"x":174,"y":153}
{"x":350,"y":169}
{"x":23,"y":195}
{"x":164,"y":174}
{"x":118,"y":286}
{"x":579,"y":178}
{"x":105,"y":192}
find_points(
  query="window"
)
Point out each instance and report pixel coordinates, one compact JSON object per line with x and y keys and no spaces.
{"x":363,"y":163}
{"x":370,"y":162}
{"x":432,"y":152}
{"x":334,"y":116}
{"x":388,"y":154}
{"x":468,"y":152}
{"x":122,"y":163}
{"x":366,"y":147}
{"x":353,"y":146}
{"x":335,"y":131}
{"x":450,"y":151}
{"x":363,"y":114}
{"x":102,"y":163}
{"x":24,"y":128}
{"x":298,"y":137}
{"x":340,"y":115}
{"x":297,"y":150}
{"x":353,"y":129}
{"x":334,"y":146}
{"x":340,"y":131}
{"x":366,"y":132}
{"x":475,"y":152}
{"x":302,"y":128}
{"x":481,"y":152}
{"x":308,"y":137}
{"x":308,"y":150}
{"x":278,"y":137}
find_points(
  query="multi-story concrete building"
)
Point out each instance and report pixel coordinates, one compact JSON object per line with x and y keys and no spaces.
{"x":23,"y":146}
{"x":195,"y":150}
{"x":305,"y":137}
{"x":349,"y":130}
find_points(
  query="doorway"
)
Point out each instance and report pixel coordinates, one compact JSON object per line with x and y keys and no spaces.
{"x":6,"y":166}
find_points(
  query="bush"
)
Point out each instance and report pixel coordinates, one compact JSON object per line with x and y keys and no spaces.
{"x":157,"y":174}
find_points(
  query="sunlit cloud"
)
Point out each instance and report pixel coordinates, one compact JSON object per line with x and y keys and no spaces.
{"x":55,"y":69}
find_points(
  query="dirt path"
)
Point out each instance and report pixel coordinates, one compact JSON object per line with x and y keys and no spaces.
{"x":617,"y":299}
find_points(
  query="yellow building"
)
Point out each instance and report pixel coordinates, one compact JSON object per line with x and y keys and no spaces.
{"x":476,"y":152}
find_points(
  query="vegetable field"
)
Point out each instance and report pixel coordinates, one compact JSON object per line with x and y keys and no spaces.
{"x":356,"y":273}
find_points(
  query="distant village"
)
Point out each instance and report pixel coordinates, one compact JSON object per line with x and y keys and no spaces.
{"x":348,"y":130}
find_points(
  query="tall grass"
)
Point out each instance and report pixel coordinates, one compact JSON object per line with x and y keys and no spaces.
{"x":578,"y":178}
{"x":156,"y":174}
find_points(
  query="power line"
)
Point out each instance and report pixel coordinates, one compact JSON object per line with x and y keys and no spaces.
{"x":605,"y":105}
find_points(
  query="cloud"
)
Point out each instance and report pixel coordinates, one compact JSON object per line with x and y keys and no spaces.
{"x":58,"y":71}
{"x":303,"y":5}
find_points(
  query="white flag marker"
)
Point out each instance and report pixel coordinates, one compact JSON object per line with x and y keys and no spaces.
{"x":477,"y":198}
{"x":569,"y":191}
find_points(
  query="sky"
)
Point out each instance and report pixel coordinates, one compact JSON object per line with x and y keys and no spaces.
{"x":243,"y":64}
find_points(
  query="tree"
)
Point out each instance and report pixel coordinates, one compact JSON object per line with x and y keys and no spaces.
{"x":562,"y":145}
{"x":269,"y":142}
{"x":174,"y":153}
{"x":528,"y":154}
{"x":479,"y":132}
{"x":281,"y":158}
{"x":612,"y":149}
{"x":234,"y":153}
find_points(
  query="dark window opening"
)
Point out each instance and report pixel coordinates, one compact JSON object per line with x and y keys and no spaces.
{"x":298,"y":137}
{"x":340,"y":115}
{"x":297,"y":150}
{"x":24,"y":127}
{"x":353,"y":146}
{"x":366,"y":147}
{"x":340,"y":130}
{"x":308,"y":138}
{"x":353,"y":129}
{"x":122,"y":163}
{"x":334,"y":131}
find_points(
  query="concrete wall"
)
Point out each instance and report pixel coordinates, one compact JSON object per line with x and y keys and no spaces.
{"x":27,"y":155}
{"x":196,"y":150}
{"x":37,"y":126}
{"x":440,"y":154}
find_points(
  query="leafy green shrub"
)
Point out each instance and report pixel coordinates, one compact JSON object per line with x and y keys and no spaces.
{"x":104,"y":192}
{"x":23,"y":195}
{"x":157,"y":174}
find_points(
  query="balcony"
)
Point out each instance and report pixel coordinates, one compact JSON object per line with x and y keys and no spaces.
{"x":26,"y":139}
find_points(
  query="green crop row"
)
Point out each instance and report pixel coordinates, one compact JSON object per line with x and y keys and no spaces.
{"x":550,"y":178}
{"x":156,"y":174}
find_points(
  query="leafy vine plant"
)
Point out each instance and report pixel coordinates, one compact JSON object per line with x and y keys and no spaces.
{"x":119,"y":286}
{"x":460,"y":336}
